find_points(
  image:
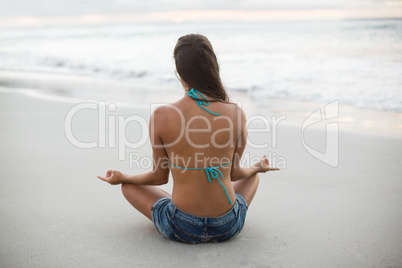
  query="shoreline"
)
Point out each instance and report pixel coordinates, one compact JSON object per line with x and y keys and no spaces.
{"x":68,"y":88}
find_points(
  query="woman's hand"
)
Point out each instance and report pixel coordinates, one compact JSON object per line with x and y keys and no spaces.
{"x":263,"y":165}
{"x":113,"y":177}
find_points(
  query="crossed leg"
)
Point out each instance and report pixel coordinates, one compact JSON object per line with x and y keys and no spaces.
{"x":247,"y":187}
{"x":142,"y":197}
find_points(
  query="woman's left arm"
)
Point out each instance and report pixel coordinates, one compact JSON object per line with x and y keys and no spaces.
{"x":160,"y":168}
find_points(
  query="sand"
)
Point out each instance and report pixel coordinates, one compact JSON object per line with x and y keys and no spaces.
{"x":56,"y":213}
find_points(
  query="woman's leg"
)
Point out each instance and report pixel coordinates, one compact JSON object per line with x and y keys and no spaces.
{"x":142,"y":197}
{"x":247,"y":187}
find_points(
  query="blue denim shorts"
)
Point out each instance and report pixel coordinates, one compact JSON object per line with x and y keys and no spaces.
{"x":178,"y":225}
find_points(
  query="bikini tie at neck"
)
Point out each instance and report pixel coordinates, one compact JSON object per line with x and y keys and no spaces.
{"x":200,"y":102}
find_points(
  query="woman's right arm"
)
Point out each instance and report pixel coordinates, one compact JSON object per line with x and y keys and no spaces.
{"x":238,"y":172}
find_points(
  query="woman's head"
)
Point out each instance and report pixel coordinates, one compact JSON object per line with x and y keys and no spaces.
{"x":197,"y":65}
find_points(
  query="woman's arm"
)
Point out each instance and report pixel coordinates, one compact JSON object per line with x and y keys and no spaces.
{"x":160,"y":170}
{"x":238,"y":172}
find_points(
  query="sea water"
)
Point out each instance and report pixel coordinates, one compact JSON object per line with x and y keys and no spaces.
{"x":358,"y":62}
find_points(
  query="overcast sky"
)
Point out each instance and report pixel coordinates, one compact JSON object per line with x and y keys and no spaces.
{"x":12,"y":8}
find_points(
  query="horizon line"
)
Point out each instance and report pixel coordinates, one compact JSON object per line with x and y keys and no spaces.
{"x":204,"y":16}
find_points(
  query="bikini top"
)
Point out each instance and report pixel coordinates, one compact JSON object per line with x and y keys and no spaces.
{"x":213,"y":172}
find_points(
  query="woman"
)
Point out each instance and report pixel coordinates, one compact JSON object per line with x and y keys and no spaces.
{"x":200,"y":139}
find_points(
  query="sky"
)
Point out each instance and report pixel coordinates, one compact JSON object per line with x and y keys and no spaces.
{"x":78,"y":7}
{"x":46,"y":11}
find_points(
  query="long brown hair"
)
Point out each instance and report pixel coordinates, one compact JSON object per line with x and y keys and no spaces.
{"x":197,"y":65}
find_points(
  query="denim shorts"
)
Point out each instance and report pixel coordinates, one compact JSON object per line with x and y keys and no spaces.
{"x":178,"y":225}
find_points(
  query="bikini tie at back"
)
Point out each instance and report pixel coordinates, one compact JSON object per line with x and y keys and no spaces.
{"x":213,"y":172}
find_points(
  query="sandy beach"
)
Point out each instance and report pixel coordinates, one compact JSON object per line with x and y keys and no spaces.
{"x":56,"y":213}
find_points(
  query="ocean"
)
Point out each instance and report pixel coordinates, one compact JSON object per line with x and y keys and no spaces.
{"x":358,"y":62}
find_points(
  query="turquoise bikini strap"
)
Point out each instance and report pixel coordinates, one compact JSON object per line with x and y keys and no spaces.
{"x":214,"y":172}
{"x":200,"y":102}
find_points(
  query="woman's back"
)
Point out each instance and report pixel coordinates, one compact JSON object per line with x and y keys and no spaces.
{"x":197,"y":139}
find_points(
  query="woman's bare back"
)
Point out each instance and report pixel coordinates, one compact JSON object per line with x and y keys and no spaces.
{"x":194,"y":138}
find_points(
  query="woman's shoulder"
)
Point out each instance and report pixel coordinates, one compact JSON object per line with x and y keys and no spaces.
{"x":236,"y":109}
{"x":166,"y":111}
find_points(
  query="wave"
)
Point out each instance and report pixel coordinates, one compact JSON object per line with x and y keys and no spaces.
{"x":358,"y":62}
{"x":67,"y":66}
